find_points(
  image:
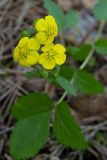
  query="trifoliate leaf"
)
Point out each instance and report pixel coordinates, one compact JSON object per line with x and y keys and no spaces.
{"x":86,"y":83}
{"x":31,"y":104}
{"x":101,"y":46}
{"x":66,"y":129}
{"x":66,"y":85}
{"x":71,"y":19}
{"x":56,"y":11}
{"x":29,"y":136}
{"x":66,"y":72}
{"x":100,"y":10}
{"x":80,"y":53}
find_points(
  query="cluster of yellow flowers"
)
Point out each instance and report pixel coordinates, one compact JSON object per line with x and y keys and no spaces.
{"x":40,"y":48}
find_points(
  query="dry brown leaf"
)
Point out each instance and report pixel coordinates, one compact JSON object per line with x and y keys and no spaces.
{"x":89,"y":3}
{"x":65,"y":4}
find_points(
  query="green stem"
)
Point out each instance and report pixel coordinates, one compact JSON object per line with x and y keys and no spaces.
{"x":102,"y":24}
{"x":93,"y":46}
{"x":83,"y":65}
{"x":62,"y":98}
{"x":87,"y":58}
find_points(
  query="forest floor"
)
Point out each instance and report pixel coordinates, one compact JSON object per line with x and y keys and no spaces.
{"x":90,"y":111}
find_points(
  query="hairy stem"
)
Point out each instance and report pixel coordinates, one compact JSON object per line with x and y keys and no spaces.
{"x":102,"y":23}
{"x":83,"y":65}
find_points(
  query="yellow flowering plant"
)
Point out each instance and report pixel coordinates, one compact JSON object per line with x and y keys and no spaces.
{"x":26,"y":53}
{"x":47,"y":30}
{"x":33,"y":111}
{"x":52,"y":55}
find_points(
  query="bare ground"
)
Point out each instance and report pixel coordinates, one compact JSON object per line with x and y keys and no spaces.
{"x":90,"y":111}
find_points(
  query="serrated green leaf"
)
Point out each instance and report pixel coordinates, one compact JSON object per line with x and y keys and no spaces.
{"x":56,"y":11}
{"x":80,"y":53}
{"x":71,"y":50}
{"x":101,"y":46}
{"x":65,"y":84}
{"x":31,"y":104}
{"x":66,"y":129}
{"x":71,"y":19}
{"x":66,"y":72}
{"x":86,"y":83}
{"x":100,"y":10}
{"x":29,"y":136}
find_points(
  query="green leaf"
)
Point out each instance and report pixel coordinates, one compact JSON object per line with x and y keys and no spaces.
{"x":56,"y":11}
{"x":101,"y":46}
{"x":65,"y":84}
{"x":66,"y":129}
{"x":28,"y":32}
{"x":31,"y":104}
{"x":81,"y":53}
{"x":71,"y":50}
{"x":32,"y":74}
{"x":37,"y":73}
{"x":66,"y":72}
{"x":86,"y":83}
{"x":100,"y":10}
{"x":71,"y":19}
{"x":29,"y":136}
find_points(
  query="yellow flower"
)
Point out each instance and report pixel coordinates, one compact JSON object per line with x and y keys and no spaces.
{"x":52,"y":55}
{"x":47,"y":30}
{"x":25,"y":53}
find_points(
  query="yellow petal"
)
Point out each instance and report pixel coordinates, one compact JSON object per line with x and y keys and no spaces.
{"x":48,"y":47}
{"x":59,"y":48}
{"x":42,"y":58}
{"x":47,"y":63}
{"x":42,"y":37}
{"x":33,"y":44}
{"x":60,"y":58}
{"x":23,"y":41}
{"x":52,"y":23}
{"x":32,"y":57}
{"x":41,"y":25}
{"x":16,"y":54}
{"x":23,"y":62}
{"x":50,"y":39}
{"x":50,"y":20}
{"x":55,"y":32}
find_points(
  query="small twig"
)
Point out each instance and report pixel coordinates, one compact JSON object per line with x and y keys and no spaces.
{"x":8,"y":129}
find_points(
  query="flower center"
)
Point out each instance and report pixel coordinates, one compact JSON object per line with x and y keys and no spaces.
{"x":50,"y":30}
{"x":23,"y":52}
{"x":50,"y":55}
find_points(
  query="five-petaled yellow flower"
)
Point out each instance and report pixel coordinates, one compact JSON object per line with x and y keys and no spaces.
{"x":25,"y":53}
{"x":52,"y":55}
{"x":47,"y":30}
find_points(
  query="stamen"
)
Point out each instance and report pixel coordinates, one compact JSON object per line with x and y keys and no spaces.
{"x":50,"y":30}
{"x":23,"y":52}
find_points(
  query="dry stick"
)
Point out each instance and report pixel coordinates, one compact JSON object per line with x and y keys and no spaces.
{"x":5,"y":130}
{"x":27,"y":4}
{"x":83,"y":65}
